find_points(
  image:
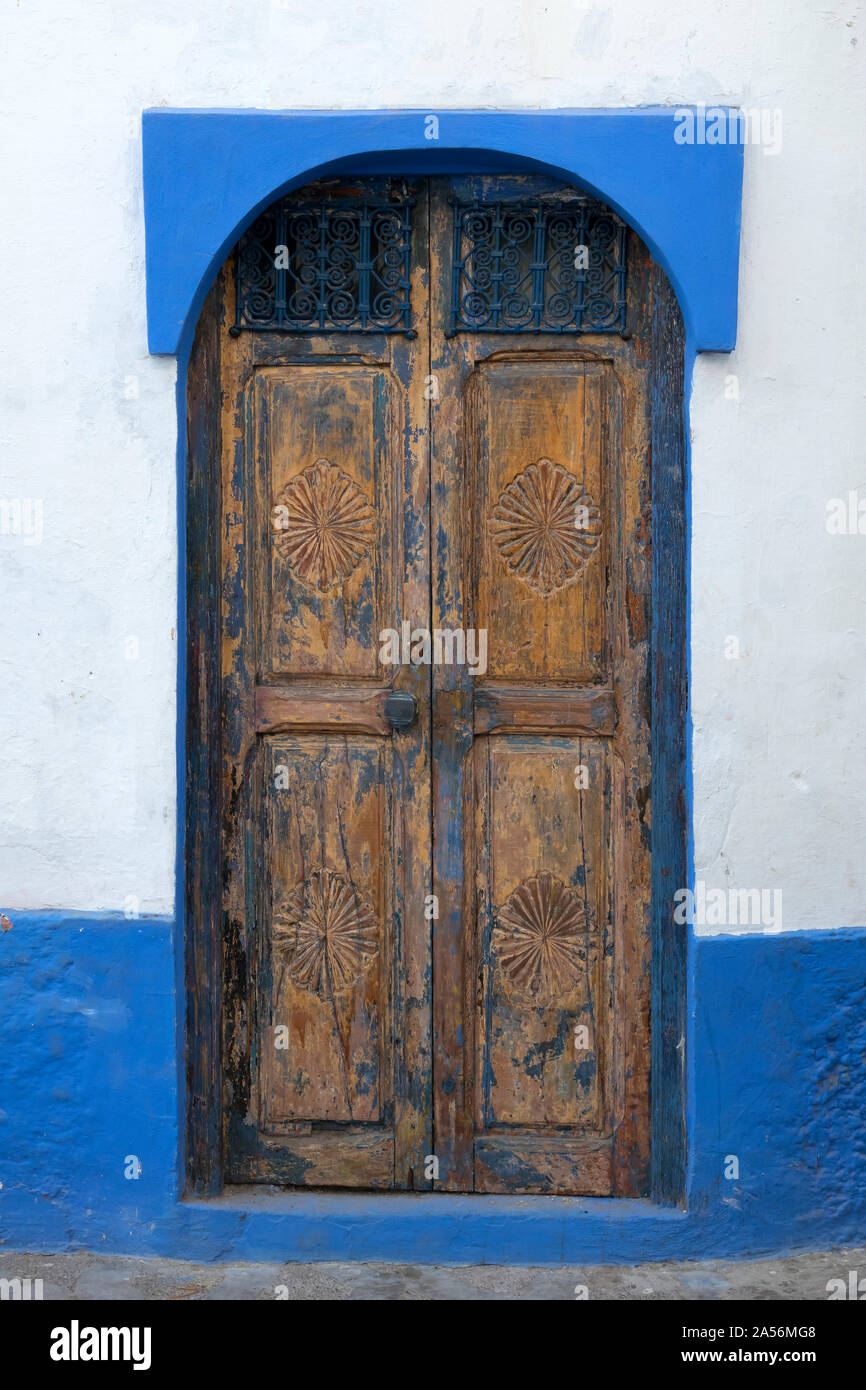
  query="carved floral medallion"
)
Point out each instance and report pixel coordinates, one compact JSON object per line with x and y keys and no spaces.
{"x":545,"y":527}
{"x":541,"y":938}
{"x":326,"y":933}
{"x":323,"y":525}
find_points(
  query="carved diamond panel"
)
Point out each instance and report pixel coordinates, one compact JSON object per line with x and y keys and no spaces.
{"x":541,"y":938}
{"x":326,"y":933}
{"x":323,"y":525}
{"x":545,"y":527}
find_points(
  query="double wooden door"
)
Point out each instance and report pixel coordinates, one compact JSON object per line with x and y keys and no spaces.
{"x":434,"y":732}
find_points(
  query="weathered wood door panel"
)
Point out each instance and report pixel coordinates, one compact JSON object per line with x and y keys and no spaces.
{"x":435,"y":933}
{"x":545,"y":606}
{"x":540,"y":1101}
{"x":326,"y":440}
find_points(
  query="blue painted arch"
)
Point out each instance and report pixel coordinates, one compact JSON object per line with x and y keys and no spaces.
{"x":207,"y":174}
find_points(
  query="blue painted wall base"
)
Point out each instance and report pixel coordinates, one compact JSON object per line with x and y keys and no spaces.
{"x":90,"y":1078}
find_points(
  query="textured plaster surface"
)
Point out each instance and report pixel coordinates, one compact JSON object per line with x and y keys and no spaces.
{"x":88,"y":420}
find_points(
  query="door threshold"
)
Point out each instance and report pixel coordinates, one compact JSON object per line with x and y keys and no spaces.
{"x":286,"y":1226}
{"x":261,"y":1197}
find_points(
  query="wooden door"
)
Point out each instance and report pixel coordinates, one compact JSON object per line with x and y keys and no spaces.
{"x":541,"y":765}
{"x":326,"y":794}
{"x":435,"y":958}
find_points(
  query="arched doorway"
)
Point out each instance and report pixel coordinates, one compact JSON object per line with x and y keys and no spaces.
{"x":421,"y":770}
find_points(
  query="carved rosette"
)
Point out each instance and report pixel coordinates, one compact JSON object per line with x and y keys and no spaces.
{"x":326,"y":934}
{"x":541,"y":939}
{"x":545,"y":527}
{"x":323,"y":525}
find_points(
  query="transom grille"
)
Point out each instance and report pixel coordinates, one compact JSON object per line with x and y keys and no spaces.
{"x":340,"y":265}
{"x":538,"y":267}
{"x":334,"y":265}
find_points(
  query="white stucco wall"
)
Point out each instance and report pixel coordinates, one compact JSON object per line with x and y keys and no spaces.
{"x":88,"y":423}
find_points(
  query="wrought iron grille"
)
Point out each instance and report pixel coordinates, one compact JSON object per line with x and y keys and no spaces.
{"x":336,"y":266}
{"x":536,"y":267}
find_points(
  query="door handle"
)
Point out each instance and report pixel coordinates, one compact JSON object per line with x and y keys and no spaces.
{"x":400,"y":709}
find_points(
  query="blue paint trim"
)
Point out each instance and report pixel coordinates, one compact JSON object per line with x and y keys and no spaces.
{"x":208,"y":173}
{"x":186,"y":194}
{"x":671,"y":368}
{"x":779,"y":1033}
{"x":181,"y":1030}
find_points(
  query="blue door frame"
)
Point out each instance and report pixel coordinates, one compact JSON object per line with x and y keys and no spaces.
{"x":199,"y":167}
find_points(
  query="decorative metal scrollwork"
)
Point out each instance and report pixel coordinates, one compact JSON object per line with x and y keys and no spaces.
{"x":333,"y":266}
{"x":538,"y":267}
